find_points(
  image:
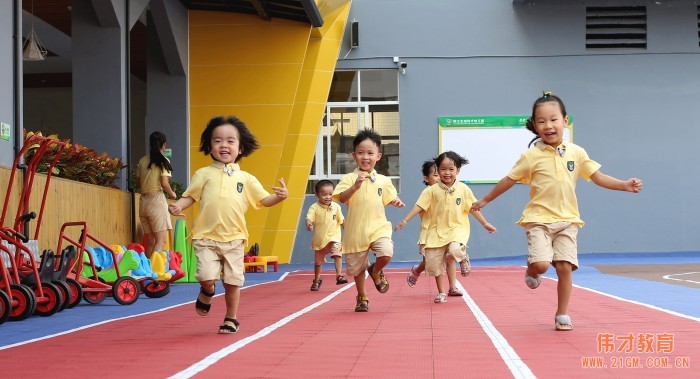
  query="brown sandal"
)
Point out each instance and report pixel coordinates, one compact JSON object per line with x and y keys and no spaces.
{"x":229,"y":329}
{"x":316,"y":284}
{"x":362,"y":304}
{"x":340,"y":279}
{"x":201,"y":307}
{"x":383,"y":285}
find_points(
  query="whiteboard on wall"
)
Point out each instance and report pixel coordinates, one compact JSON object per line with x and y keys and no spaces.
{"x":492,"y":144}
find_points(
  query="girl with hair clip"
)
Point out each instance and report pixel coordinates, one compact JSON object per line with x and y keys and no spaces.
{"x":551,"y":218}
{"x":225,"y":193}
{"x":447,"y":204}
{"x":153,"y":173}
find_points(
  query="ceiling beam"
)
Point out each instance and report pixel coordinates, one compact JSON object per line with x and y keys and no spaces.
{"x":262,"y":12}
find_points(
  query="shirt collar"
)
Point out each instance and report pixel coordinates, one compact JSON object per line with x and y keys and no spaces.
{"x":228,"y":168}
{"x":449,"y":190}
{"x":561,"y":149}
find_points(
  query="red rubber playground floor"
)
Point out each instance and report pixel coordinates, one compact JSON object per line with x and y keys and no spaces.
{"x":623,"y":328}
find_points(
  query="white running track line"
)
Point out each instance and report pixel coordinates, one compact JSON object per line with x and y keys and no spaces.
{"x":215,"y":357}
{"x":669,"y":277}
{"x":516,"y":365}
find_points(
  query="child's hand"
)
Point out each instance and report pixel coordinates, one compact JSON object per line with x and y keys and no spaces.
{"x":175,"y":209}
{"x":397,"y":203}
{"x":281,"y":191}
{"x":478,"y":205}
{"x":309,"y":225}
{"x":634,"y":185}
{"x":491,"y":229}
{"x":400,"y":226}
{"x":360,"y":178}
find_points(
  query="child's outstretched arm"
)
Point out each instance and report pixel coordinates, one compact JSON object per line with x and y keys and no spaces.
{"x":414,"y":211}
{"x":482,"y":220}
{"x":504,"y":185}
{"x":607,"y":181}
{"x":344,"y":196}
{"x":180,"y":205}
{"x":309,"y":225}
{"x":276,"y":198}
{"x":397,"y":203}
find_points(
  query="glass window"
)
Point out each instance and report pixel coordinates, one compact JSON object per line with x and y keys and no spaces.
{"x":345,"y":115}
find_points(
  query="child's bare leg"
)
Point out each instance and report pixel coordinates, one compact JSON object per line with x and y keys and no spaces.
{"x":232,"y":297}
{"x":536,"y":269}
{"x":564,"y":273}
{"x":440,"y":281}
{"x":421,"y":266}
{"x":338,"y":266}
{"x":317,"y":272}
{"x":451,"y":266}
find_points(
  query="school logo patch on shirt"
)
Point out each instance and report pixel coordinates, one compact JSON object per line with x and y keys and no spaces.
{"x":459,"y":201}
{"x":570,"y":165}
{"x":239,"y":187}
{"x":333,"y":217}
{"x":379,"y":191}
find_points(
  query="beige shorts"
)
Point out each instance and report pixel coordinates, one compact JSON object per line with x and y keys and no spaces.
{"x":552,"y":242}
{"x":435,"y":258}
{"x":357,"y":262}
{"x":214,"y":257}
{"x":333,"y":247}
{"x":153,"y":212}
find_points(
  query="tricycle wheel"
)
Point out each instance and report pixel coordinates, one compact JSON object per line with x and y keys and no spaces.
{"x":76,"y":292}
{"x":65,"y":293}
{"x":53,"y":299}
{"x":5,"y":307}
{"x":26,"y":302}
{"x":94,"y":297}
{"x":156,"y":289}
{"x":125,"y":290}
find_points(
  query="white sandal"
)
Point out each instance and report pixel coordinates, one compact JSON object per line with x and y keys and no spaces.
{"x":563,"y":323}
{"x":441,"y":298}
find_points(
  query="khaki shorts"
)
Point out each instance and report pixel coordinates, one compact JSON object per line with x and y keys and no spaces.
{"x":552,"y":242}
{"x":356,"y":263}
{"x":214,"y":257}
{"x":333,"y":247}
{"x":153,"y":212}
{"x":435,"y":258}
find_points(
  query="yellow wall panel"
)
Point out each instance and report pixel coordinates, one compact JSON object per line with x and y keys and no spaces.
{"x":275,"y":77}
{"x":242,"y":85}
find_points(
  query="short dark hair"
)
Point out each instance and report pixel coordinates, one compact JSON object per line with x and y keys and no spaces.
{"x":427,"y":167}
{"x":321,"y":184}
{"x":247,"y":140}
{"x":456,"y":158}
{"x":365,"y":134}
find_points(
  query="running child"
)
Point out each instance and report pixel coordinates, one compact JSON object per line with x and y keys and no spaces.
{"x":551,"y":218}
{"x":324,"y":218}
{"x":366,"y":193}
{"x":225,"y":193}
{"x":448,"y":204}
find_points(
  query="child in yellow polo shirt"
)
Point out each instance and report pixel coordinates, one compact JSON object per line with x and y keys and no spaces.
{"x":366,"y":193}
{"x":225,"y":193}
{"x":448,"y":204}
{"x":324,"y":218}
{"x":551,"y":217}
{"x":430,"y":177}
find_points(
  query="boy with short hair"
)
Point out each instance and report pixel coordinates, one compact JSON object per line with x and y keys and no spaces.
{"x":366,"y":193}
{"x":324,"y":218}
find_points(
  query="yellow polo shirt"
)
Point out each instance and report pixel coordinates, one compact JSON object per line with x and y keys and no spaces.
{"x":327,"y":221}
{"x":366,"y":220}
{"x":551,"y":174}
{"x":149,"y":178}
{"x":424,"y":225}
{"x":448,"y":213}
{"x":224,"y":200}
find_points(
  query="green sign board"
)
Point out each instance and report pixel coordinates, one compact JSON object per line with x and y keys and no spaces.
{"x":5,"y":131}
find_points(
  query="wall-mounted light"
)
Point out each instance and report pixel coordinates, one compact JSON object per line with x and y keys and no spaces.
{"x":400,"y":65}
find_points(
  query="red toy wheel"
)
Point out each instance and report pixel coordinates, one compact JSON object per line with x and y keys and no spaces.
{"x":76,"y":292}
{"x":94,"y":297}
{"x":5,"y":307}
{"x":65,"y":293}
{"x":26,"y":302}
{"x":155,"y":289}
{"x":54,"y":299}
{"x":125,"y":290}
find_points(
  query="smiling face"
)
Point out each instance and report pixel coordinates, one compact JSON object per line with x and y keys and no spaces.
{"x":366,"y":155}
{"x":225,"y":143}
{"x":550,"y":123}
{"x":325,"y":195}
{"x":433,"y":177}
{"x":448,"y":171}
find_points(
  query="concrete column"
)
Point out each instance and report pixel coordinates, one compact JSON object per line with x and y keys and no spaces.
{"x":167,"y":109}
{"x":7,"y":79}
